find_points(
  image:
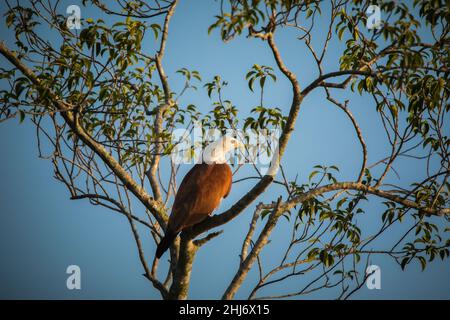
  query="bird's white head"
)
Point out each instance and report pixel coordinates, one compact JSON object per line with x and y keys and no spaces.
{"x":216,"y":151}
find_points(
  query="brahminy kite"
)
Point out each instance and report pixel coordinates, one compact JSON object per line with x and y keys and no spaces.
{"x":201,"y":190}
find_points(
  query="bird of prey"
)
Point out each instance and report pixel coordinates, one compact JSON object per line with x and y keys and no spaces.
{"x":201,"y":190}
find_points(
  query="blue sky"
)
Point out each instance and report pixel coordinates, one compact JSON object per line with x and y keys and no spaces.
{"x":42,"y":231}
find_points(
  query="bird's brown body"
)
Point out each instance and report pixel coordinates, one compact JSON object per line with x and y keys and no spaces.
{"x":199,"y":194}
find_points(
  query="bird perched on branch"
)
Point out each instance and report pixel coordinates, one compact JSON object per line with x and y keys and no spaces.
{"x":201,"y":190}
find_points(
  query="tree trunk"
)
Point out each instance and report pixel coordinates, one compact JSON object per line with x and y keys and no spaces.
{"x":180,"y":286}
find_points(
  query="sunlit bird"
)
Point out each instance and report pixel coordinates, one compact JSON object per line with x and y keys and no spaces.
{"x":201,"y":190}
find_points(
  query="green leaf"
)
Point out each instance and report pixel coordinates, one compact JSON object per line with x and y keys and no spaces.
{"x":341,"y":32}
{"x":262,"y":81}
{"x":264,"y":213}
{"x":312,"y":175}
{"x":250,"y":83}
{"x":393,"y":109}
{"x":341,"y":202}
{"x":404,"y":263}
{"x":156,"y":29}
{"x":334,"y":168}
{"x":326,"y":258}
{"x":21,"y":116}
{"x":423,"y":262}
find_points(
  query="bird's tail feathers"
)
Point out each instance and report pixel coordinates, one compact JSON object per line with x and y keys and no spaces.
{"x":165,"y":243}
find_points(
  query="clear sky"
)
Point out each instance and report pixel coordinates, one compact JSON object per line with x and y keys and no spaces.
{"x":42,"y":231}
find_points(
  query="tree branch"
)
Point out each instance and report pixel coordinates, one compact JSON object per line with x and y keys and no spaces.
{"x":266,"y":180}
{"x":155,"y":207}
{"x":360,"y":187}
{"x":151,"y":174}
{"x":120,"y":208}
{"x":245,"y":266}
